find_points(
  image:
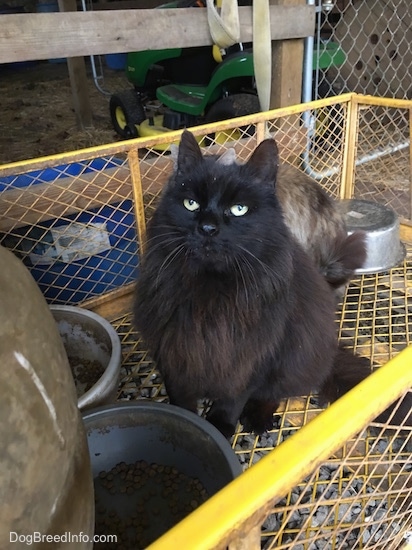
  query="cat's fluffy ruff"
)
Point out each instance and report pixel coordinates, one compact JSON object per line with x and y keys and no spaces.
{"x":229,"y":304}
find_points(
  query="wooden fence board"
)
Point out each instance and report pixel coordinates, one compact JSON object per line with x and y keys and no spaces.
{"x":35,"y":36}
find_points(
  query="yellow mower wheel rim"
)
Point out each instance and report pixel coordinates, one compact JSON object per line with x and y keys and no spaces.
{"x":120,"y":117}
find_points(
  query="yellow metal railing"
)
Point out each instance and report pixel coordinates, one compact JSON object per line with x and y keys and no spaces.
{"x":249,"y":496}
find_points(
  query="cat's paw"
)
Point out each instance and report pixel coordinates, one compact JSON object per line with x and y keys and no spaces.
{"x":257,"y":416}
{"x":222,"y":424}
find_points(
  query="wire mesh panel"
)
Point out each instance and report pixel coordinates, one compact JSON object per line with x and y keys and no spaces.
{"x":383,"y":158}
{"x":375,"y":38}
{"x":358,"y":499}
{"x":73,"y":225}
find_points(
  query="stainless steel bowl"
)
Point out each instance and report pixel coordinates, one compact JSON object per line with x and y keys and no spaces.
{"x":381,"y":225}
{"x":90,"y":341}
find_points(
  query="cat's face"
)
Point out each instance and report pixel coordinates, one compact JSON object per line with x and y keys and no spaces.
{"x":217,"y":212}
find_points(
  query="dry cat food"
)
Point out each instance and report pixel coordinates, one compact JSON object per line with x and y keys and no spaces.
{"x":141,"y":501}
{"x":85,"y":373}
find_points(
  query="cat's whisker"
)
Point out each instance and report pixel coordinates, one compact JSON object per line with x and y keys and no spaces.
{"x":168,"y":260}
{"x":171,"y":232}
{"x":160,"y":236}
{"x":245,"y":286}
{"x":253,"y":281}
{"x":162,"y":239}
{"x":268,"y":270}
{"x":154,"y":247}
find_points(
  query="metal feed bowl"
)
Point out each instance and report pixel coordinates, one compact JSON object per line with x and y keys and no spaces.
{"x":91,"y":340}
{"x":161,"y":437}
{"x":381,"y":225}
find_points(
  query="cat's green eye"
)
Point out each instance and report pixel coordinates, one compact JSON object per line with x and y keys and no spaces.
{"x":239,"y":209}
{"x":191,"y":205}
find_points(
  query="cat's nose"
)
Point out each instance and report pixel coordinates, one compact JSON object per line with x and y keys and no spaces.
{"x":208,"y":229}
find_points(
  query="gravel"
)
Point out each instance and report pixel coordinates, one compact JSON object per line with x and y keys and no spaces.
{"x":335,"y":508}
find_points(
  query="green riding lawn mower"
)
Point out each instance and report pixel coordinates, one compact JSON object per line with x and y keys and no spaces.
{"x":179,"y":88}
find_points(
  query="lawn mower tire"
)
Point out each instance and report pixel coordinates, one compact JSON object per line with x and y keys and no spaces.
{"x":126,"y":110}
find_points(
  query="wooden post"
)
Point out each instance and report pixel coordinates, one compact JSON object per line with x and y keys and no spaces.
{"x":287,"y":66}
{"x":78,"y":80}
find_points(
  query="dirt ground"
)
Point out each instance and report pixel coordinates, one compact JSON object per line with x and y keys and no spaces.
{"x":37,"y":116}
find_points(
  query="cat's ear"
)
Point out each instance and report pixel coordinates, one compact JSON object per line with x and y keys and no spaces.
{"x":174,"y":151}
{"x":265,"y":160}
{"x":228,"y":157}
{"x":189,"y":154}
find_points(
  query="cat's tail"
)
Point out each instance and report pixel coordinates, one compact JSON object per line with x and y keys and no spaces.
{"x":343,"y":258}
{"x":348,"y":371}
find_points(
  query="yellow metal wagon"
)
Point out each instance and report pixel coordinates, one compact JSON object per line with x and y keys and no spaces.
{"x":329,"y":479}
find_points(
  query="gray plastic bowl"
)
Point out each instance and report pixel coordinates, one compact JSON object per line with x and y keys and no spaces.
{"x":162,"y":434}
{"x":91,"y":338}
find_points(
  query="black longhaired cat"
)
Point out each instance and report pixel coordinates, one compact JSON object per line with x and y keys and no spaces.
{"x":230,"y":305}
